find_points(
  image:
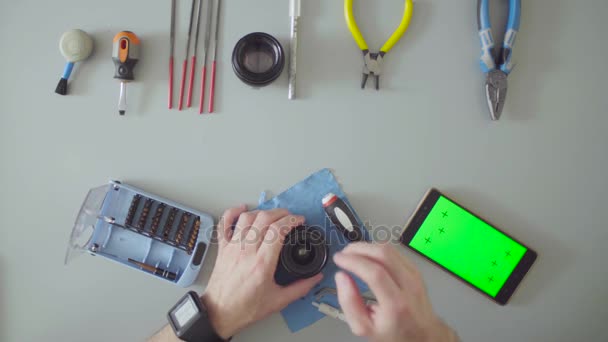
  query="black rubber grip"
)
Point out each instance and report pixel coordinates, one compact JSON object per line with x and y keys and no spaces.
{"x":124,"y":71}
{"x":339,"y":204}
{"x":62,"y":87}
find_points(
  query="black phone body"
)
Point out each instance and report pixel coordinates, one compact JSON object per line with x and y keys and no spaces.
{"x":468,"y":247}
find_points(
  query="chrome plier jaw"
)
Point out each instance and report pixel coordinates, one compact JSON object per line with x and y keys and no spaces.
{"x":372,"y":65}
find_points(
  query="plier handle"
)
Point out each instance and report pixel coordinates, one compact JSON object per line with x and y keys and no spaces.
{"x":497,"y":66}
{"x":490,"y":60}
{"x":399,"y":32}
{"x":373,"y":61}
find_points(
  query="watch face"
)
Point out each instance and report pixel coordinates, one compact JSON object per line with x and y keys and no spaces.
{"x":189,"y":320}
{"x":185,"y":312}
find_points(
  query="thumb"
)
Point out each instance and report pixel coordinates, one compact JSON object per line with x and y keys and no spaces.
{"x":298,"y":289}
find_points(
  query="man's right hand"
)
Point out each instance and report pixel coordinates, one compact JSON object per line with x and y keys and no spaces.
{"x":403,"y":312}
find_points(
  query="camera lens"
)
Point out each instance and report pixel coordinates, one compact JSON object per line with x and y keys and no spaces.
{"x":258,"y":59}
{"x":304,"y":253}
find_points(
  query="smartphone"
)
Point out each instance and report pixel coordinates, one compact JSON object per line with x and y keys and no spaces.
{"x":467,"y":246}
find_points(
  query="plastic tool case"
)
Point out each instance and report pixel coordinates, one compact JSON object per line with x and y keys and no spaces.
{"x":143,"y":231}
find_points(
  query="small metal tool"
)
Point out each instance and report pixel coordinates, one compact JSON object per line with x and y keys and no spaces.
{"x":185,"y":65}
{"x":171,"y":53}
{"x":111,"y":221}
{"x":193,"y":66}
{"x":330,"y":310}
{"x":95,"y":249}
{"x":141,"y":223}
{"x":156,"y":219}
{"x":326,"y":291}
{"x":213,"y":65}
{"x":294,"y":14}
{"x":169,"y":225}
{"x":205,"y":51}
{"x":182,"y":227}
{"x":156,"y":270}
{"x":194,"y":235}
{"x":132,"y":209}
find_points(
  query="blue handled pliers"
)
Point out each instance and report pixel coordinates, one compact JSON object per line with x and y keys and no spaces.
{"x":497,"y":66}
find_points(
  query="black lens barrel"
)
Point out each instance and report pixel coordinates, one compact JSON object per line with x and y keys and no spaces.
{"x":258,"y":43}
{"x":305,"y":252}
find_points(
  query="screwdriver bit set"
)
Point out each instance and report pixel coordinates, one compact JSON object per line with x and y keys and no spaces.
{"x":143,"y":231}
{"x":158,"y":220}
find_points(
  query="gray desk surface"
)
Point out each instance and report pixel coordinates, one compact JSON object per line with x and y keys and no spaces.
{"x":540,"y":173}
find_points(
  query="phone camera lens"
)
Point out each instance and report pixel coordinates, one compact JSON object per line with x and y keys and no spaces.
{"x":304,"y":253}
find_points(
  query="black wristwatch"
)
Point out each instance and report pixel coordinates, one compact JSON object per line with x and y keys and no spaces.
{"x":190,"y":321}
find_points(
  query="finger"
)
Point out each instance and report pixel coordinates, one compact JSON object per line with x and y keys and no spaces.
{"x":224,"y":227}
{"x":260,"y":225}
{"x":256,"y":233}
{"x":297,"y":290}
{"x":243,"y":224}
{"x":273,"y":242}
{"x":401,"y":269}
{"x":257,"y":236}
{"x":372,"y":273}
{"x":356,"y":312}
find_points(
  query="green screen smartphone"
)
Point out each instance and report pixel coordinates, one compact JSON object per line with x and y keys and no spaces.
{"x":468,"y":247}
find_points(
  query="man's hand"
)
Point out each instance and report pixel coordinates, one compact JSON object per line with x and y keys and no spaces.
{"x":242,"y":289}
{"x":403,"y":312}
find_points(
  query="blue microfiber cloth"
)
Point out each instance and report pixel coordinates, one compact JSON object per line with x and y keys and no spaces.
{"x":304,"y":199}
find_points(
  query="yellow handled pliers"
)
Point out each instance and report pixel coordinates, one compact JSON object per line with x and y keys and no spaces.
{"x":373,"y":61}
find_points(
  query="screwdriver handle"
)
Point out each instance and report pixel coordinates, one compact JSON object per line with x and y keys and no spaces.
{"x":343,"y":217}
{"x":125,"y":54}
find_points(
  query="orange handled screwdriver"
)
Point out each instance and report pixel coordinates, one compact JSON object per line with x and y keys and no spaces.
{"x":125,"y":54}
